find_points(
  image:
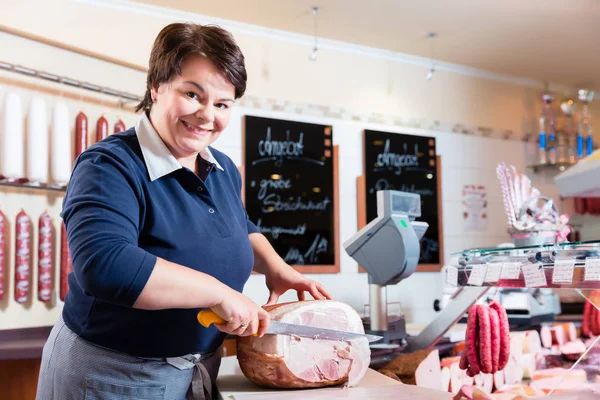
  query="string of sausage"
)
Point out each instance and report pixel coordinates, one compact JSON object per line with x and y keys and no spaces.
{"x":487,"y":340}
{"x":2,"y":254}
{"x":591,"y":316}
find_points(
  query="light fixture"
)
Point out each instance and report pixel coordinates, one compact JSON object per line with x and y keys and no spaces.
{"x":313,"y":53}
{"x":431,"y":36}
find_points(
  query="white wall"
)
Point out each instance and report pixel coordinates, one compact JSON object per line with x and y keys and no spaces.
{"x":280,"y":70}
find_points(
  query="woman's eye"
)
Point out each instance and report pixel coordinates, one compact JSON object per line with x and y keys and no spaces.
{"x":222,"y":106}
{"x":192,"y":95}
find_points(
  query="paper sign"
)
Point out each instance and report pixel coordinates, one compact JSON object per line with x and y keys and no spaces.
{"x":477,"y":275}
{"x":510,"y":270}
{"x":592,"y":269}
{"x":452,"y":275}
{"x":493,"y":272}
{"x":563,"y":271}
{"x":534,"y":275}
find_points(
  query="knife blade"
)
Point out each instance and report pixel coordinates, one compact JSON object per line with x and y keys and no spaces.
{"x":208,"y":317}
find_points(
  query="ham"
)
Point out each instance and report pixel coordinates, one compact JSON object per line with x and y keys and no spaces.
{"x":282,"y":361}
{"x":573,"y":350}
{"x":577,"y":374}
{"x":421,"y":368}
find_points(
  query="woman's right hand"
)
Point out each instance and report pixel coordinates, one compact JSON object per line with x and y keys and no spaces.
{"x":244,"y":317}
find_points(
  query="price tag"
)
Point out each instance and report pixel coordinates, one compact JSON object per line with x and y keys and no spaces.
{"x":477,"y":275}
{"x":493,"y":272}
{"x":592,"y":269}
{"x":452,"y":275}
{"x":510,"y":270}
{"x":563,"y":271}
{"x":534,"y":275}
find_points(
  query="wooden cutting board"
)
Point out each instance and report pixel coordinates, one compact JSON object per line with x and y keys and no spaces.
{"x":233,"y":385}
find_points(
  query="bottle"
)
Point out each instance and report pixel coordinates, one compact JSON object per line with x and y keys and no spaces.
{"x":567,"y":137}
{"x":584,"y":128}
{"x":547,"y":150}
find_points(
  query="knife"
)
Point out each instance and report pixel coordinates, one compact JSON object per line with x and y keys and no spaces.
{"x":208,"y":317}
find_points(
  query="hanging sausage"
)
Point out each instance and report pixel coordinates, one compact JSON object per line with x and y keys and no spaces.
{"x":101,"y":128}
{"x":22,"y":256}
{"x":60,"y":146}
{"x":119,"y":126}
{"x":2,"y":253}
{"x":37,"y":142}
{"x":12,"y":151}
{"x":45,"y":281}
{"x":66,"y":265}
{"x":81,"y":133}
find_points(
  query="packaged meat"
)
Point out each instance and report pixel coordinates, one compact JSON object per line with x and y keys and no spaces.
{"x":22,"y":256}
{"x":101,"y":128}
{"x":421,"y":368}
{"x":281,"y":361}
{"x":60,"y":145}
{"x":12,"y":150}
{"x":37,"y":142}
{"x":81,"y":133}
{"x":119,"y":126}
{"x":66,"y":264}
{"x":45,"y":281}
{"x":2,"y":254}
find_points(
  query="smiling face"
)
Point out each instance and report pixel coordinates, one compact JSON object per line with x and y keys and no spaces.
{"x":191,"y":110}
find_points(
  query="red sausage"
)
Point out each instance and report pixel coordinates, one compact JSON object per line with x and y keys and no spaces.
{"x":22,"y":256}
{"x":485,"y":339}
{"x":464,"y":362}
{"x":81,"y":133}
{"x":504,"y":335}
{"x":2,"y":249}
{"x":45,"y":281}
{"x":119,"y":126}
{"x":495,"y":333}
{"x":101,"y":128}
{"x":585,"y":323}
{"x":471,"y":341}
{"x":66,"y":265}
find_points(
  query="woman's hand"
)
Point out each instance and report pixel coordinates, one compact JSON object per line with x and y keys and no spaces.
{"x":284,"y":278}
{"x":244,"y":317}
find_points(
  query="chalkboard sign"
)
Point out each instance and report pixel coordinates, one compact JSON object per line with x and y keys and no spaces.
{"x":407,"y":163}
{"x":289,"y":188}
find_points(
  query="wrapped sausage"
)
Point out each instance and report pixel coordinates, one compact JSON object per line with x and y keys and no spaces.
{"x":119,"y":126}
{"x":101,"y":128}
{"x":2,"y":254}
{"x":81,"y":133}
{"x":37,"y":142}
{"x":66,"y":264}
{"x":45,"y":281}
{"x":60,"y":145}
{"x":22,"y":256}
{"x":12,"y":151}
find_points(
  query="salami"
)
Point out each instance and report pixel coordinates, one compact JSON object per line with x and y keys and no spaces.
{"x":101,"y":128}
{"x":485,"y":339}
{"x":495,"y":338}
{"x":471,"y":342}
{"x":2,"y":253}
{"x":119,"y":126}
{"x":22,"y":256}
{"x":45,"y":281}
{"x":504,"y":335}
{"x":81,"y":133}
{"x":65,"y":263}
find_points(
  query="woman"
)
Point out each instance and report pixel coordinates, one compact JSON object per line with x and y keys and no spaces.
{"x":157,"y":231}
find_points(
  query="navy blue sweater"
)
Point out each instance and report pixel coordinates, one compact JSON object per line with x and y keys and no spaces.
{"x":119,"y":221}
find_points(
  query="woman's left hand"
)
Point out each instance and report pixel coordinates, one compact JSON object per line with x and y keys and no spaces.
{"x":286,"y":278}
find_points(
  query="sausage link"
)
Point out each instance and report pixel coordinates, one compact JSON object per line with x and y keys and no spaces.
{"x":464,"y":361}
{"x":504,"y":335}
{"x":101,"y":128}
{"x":471,"y":341}
{"x":495,"y":333}
{"x":22,"y":256}
{"x":81,"y":133}
{"x":119,"y":126}
{"x":45,"y":281}
{"x":485,"y":339}
{"x":2,"y":254}
{"x":66,"y":265}
{"x":585,"y":323}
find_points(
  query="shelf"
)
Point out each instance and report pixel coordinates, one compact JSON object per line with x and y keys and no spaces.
{"x":26,"y":185}
{"x":558,"y":167}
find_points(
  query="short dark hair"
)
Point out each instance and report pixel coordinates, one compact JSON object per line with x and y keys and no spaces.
{"x":177,"y":41}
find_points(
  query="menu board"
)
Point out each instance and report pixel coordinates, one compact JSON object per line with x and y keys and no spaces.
{"x":289,"y":188}
{"x":406,"y":163}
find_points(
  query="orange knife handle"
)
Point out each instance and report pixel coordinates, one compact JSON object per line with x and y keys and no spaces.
{"x":208,"y":317}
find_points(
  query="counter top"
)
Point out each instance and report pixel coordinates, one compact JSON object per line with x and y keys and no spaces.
{"x":233,"y":385}
{"x":24,"y":343}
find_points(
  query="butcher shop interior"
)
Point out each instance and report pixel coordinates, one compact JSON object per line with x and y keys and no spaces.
{"x":398,"y":200}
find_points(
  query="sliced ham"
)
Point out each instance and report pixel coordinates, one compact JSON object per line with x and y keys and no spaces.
{"x":558,"y":335}
{"x":421,"y":368}
{"x":570,"y":331}
{"x":282,"y":361}
{"x":528,"y":364}
{"x":546,"y":336}
{"x":445,"y":382}
{"x":573,"y":350}
{"x":577,"y":374}
{"x":485,"y":382}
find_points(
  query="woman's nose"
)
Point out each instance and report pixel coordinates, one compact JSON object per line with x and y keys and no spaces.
{"x":206,"y":113}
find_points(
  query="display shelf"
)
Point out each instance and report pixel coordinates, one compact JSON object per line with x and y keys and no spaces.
{"x":544,"y":257}
{"x":558,"y":167}
{"x":27,"y":185}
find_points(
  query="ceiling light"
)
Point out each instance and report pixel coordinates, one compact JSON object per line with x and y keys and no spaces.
{"x":313,"y":53}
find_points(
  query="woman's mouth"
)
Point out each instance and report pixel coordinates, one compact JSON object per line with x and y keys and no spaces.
{"x":196,"y":130}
